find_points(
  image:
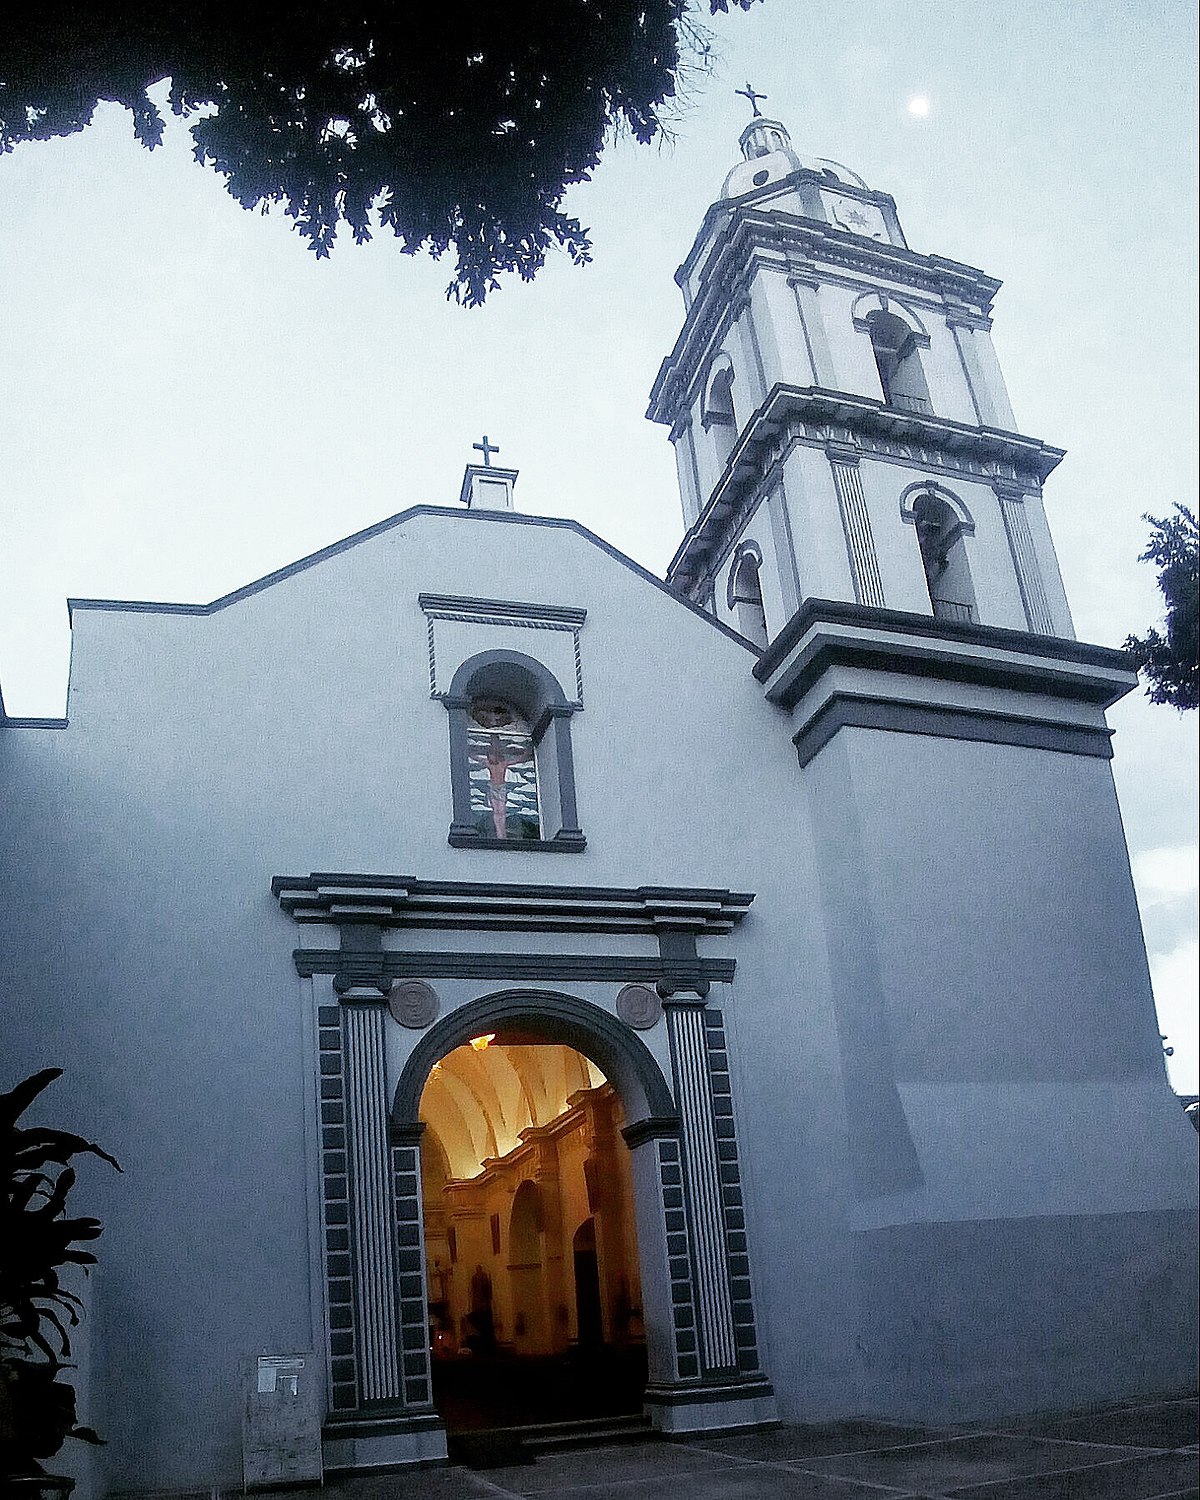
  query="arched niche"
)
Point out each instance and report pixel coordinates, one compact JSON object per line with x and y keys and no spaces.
{"x":718,"y":416}
{"x":743,"y":593}
{"x":897,"y":336}
{"x":942,"y":523}
{"x":512,"y":678}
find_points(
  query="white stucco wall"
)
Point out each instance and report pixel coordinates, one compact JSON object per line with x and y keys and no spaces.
{"x":292,"y":731}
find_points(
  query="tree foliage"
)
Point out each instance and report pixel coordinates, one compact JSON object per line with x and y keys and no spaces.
{"x":1170,"y":661}
{"x":37,"y":1239}
{"x":456,"y":124}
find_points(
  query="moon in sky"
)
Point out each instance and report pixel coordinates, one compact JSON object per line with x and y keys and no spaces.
{"x":919,"y":106}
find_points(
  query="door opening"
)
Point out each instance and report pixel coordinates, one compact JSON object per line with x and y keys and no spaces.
{"x":531,"y":1248}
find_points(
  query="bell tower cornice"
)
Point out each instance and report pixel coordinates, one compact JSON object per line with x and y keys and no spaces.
{"x":847,"y":427}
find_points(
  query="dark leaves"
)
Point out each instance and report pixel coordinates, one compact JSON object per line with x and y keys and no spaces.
{"x":1170,"y":661}
{"x":37,"y":1240}
{"x":458,"y":125}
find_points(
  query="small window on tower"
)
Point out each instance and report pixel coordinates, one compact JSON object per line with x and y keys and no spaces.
{"x":503,"y":771}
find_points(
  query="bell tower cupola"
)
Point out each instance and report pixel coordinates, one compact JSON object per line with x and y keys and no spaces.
{"x":837,"y":410}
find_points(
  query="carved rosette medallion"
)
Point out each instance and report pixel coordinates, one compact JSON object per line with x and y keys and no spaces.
{"x":413,"y":1003}
{"x":639,"y":1006}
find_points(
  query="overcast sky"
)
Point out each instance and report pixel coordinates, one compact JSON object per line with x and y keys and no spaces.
{"x":188,"y":399}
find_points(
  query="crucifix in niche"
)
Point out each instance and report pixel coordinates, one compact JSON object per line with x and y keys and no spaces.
{"x":502,"y":771}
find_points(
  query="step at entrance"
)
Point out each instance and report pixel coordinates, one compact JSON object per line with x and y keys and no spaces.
{"x":499,"y":1447}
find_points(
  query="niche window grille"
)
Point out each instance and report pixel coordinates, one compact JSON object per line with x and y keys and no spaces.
{"x":512,"y":770}
{"x":502,"y":771}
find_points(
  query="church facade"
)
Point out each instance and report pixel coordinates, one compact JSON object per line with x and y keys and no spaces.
{"x":807,"y":860}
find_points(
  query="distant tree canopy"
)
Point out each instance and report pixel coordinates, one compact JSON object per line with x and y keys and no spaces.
{"x":1170,"y":661}
{"x":460,"y":123}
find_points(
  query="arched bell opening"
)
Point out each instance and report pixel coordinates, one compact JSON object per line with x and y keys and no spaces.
{"x":941,"y":536}
{"x":533,"y":1274}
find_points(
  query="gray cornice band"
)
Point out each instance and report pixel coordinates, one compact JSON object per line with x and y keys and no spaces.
{"x":561,"y":843}
{"x":405,"y":901}
{"x":821,"y":417}
{"x":850,"y":710}
{"x":993,"y":637}
{"x":719,"y":1389}
{"x":382,"y":967}
{"x":651,"y":1129}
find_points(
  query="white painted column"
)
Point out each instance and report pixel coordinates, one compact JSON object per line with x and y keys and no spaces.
{"x":755,"y":390}
{"x":693,"y":1089}
{"x":1024,"y":556}
{"x":860,"y":544}
{"x":988,"y":396}
{"x":812,"y":325}
{"x":371,"y":1200}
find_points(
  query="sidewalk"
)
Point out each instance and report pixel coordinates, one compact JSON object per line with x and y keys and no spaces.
{"x":1143,"y":1452}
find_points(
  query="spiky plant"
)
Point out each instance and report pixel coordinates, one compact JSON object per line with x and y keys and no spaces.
{"x":37,"y":1241}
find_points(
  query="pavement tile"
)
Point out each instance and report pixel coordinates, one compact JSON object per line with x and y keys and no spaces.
{"x":739,"y":1482}
{"x":1149,"y":1477}
{"x":1165,"y":1424}
{"x":784,"y":1443}
{"x":440,"y":1483}
{"x":594,"y":1468}
{"x":937,"y":1468}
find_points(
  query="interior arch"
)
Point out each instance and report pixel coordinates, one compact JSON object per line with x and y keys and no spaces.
{"x":548,"y":1015}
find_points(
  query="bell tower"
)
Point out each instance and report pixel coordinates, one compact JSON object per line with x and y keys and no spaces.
{"x":837,"y":409}
{"x":861,"y":506}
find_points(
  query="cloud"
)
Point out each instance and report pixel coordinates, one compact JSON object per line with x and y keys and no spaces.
{"x":1163,"y":876}
{"x":1176,"y":989}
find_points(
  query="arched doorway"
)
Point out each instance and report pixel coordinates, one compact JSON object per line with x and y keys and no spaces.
{"x":527,"y":1184}
{"x":588,"y":1312}
{"x":527,"y":1272}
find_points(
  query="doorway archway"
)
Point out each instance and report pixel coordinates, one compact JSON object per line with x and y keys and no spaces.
{"x":527,"y":1181}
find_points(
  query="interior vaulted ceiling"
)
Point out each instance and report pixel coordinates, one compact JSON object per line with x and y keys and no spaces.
{"x":478,"y":1102}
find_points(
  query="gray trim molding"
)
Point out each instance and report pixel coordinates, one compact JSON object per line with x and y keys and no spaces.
{"x":910,"y":496}
{"x":1014,"y":659}
{"x":381,"y":968}
{"x":474,"y":611}
{"x":490,"y":906}
{"x":747,"y":548}
{"x":861,"y":711}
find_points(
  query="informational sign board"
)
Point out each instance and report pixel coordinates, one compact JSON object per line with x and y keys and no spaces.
{"x":281,"y":1425}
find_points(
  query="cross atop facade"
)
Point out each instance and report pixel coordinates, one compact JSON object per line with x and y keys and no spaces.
{"x":749,"y":93}
{"x":487,"y":450}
